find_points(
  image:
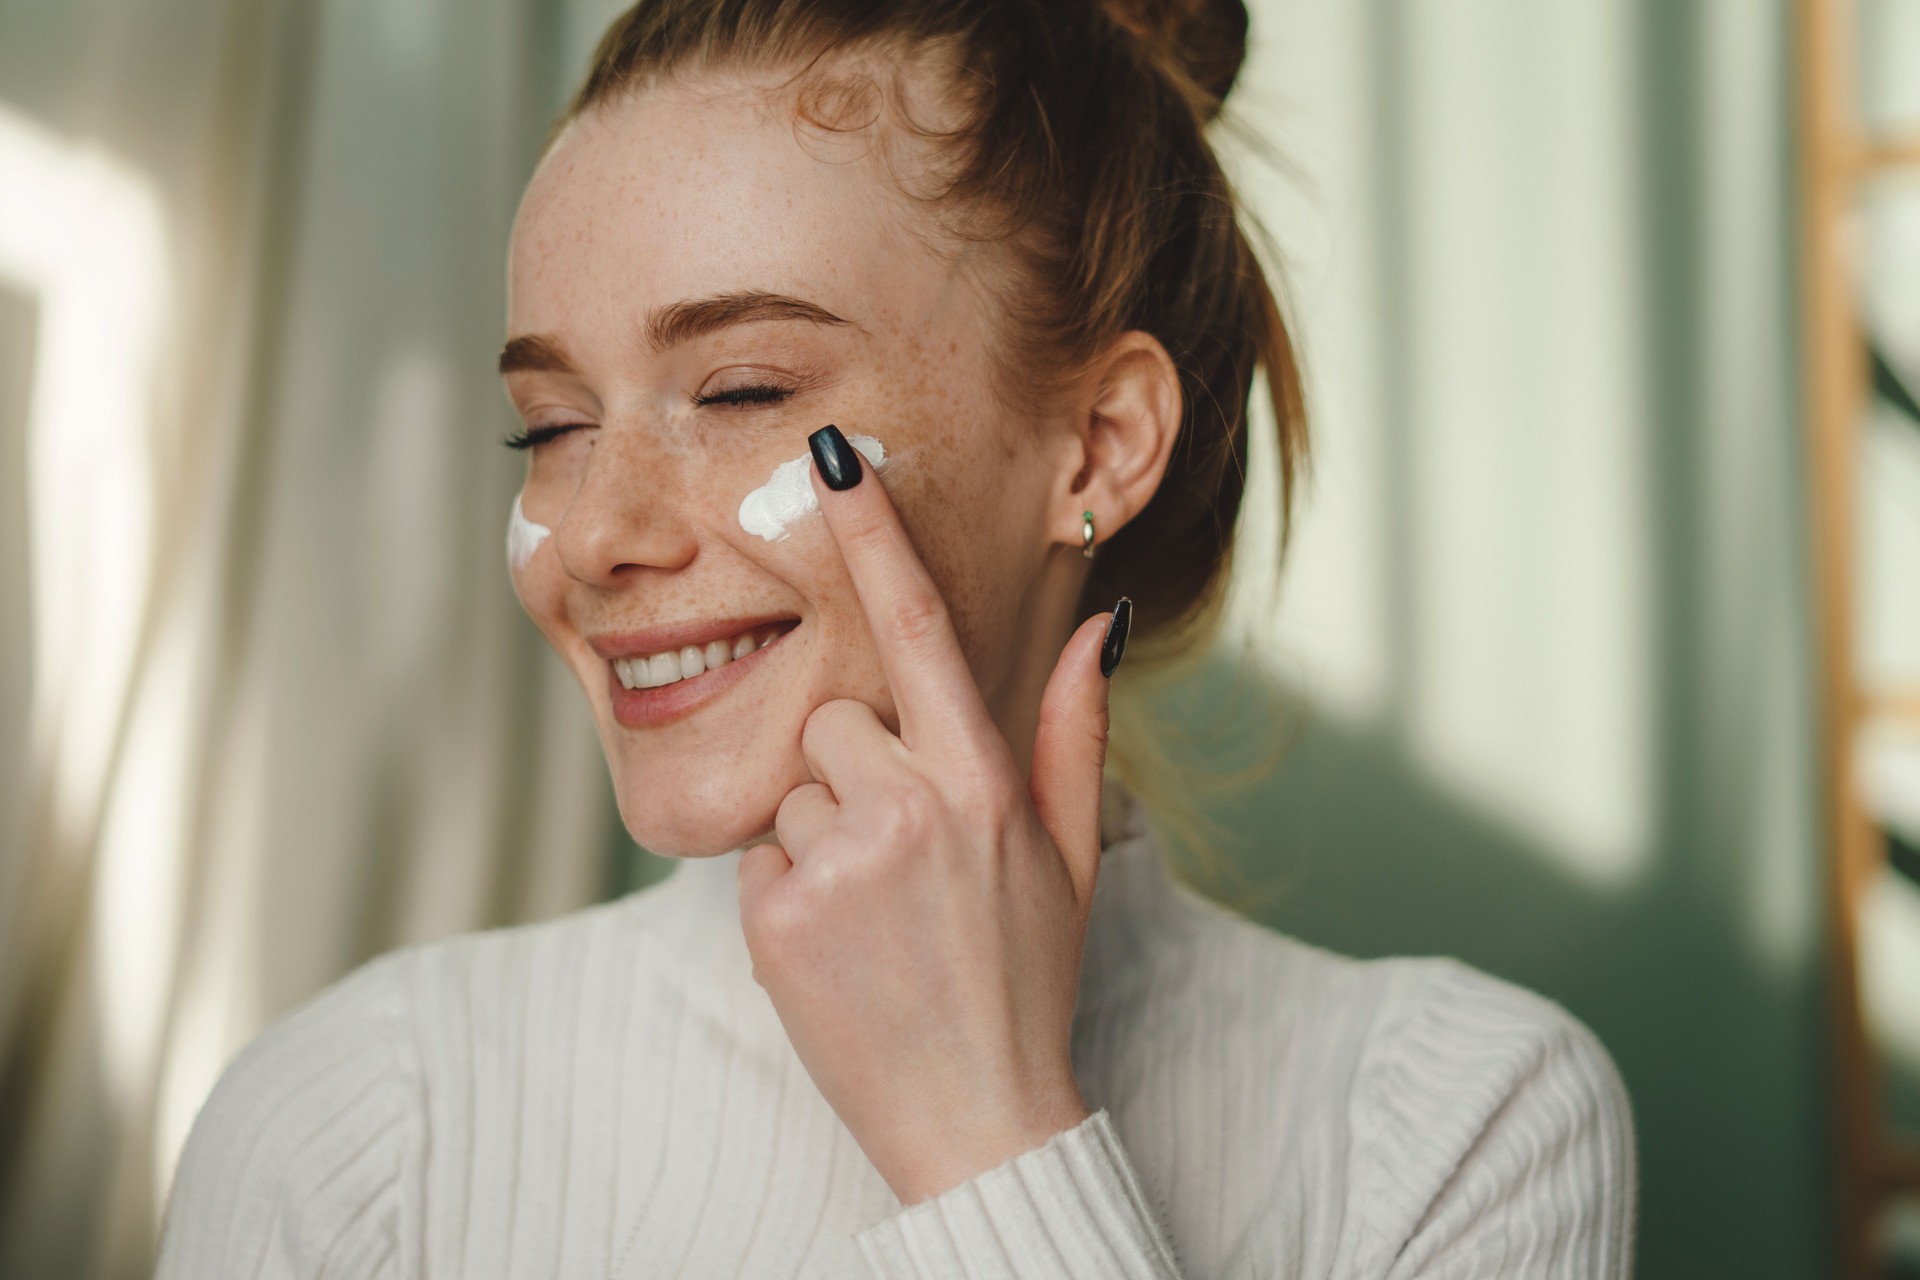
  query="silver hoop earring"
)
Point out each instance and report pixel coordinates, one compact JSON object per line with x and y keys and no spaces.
{"x":1086,"y":534}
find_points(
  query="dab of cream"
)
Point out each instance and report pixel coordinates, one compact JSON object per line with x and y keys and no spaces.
{"x":523,"y":536}
{"x":788,"y":493}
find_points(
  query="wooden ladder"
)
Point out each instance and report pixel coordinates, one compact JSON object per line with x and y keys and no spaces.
{"x":1837,"y":159}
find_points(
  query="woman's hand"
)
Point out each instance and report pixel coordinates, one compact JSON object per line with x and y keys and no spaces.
{"x":919,"y":925}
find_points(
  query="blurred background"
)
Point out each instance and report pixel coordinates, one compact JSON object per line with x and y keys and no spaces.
{"x":1598,"y":657}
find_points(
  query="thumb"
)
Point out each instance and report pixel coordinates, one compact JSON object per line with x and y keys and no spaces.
{"x":1070,"y":746}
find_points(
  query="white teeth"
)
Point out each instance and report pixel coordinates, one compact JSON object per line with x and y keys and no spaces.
{"x":687,"y":662}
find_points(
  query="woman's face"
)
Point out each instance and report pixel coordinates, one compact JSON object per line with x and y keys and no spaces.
{"x":695,"y":285}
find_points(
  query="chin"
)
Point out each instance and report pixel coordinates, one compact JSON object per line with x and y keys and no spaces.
{"x":726,"y":807}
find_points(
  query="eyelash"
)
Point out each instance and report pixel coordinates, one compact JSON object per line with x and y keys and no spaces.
{"x":532,"y":436}
{"x":758,"y":393}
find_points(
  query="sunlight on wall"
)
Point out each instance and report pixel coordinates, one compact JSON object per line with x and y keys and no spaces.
{"x":1473,"y":568}
{"x":1889,"y":89}
{"x":1889,"y":477}
{"x":1889,"y":541}
{"x":1887,"y":645}
{"x":1890,"y":965}
{"x":1533,"y":678}
{"x":1889,"y":230}
{"x":82,"y":233}
{"x":1332,"y":631}
{"x":1890,"y":910}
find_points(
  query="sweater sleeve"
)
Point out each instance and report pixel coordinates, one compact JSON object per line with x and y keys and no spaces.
{"x":1070,"y":1209}
{"x":1501,"y":1140}
{"x":298,"y":1163}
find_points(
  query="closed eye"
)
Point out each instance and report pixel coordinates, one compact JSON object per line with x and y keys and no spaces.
{"x":754,"y":393}
{"x":531,"y":436}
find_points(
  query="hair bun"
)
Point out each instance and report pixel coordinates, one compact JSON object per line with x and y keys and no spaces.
{"x":1209,"y":37}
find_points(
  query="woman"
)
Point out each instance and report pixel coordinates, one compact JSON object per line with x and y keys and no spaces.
{"x":881,"y":366}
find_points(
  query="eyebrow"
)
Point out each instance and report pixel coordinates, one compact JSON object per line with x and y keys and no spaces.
{"x":696,"y":317}
{"x":675,"y":323}
{"x":534,"y":353}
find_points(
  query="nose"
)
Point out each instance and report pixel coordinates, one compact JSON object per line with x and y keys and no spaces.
{"x":627,"y":514}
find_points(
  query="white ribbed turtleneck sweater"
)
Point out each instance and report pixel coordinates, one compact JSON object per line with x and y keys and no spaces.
{"x":611,"y":1095}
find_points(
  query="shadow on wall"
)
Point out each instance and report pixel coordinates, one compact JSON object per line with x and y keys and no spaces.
{"x":1357,"y":850}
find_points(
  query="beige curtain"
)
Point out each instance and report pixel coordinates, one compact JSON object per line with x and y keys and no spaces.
{"x":267,"y":705}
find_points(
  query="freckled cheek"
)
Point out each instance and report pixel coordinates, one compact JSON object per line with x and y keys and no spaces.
{"x":946,"y":535}
{"x":958,"y":561}
{"x":981,"y":539}
{"x":540,"y":585}
{"x":553,"y":476}
{"x":667,"y":474}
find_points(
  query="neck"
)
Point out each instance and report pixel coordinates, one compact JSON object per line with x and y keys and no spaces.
{"x":1048,"y":610}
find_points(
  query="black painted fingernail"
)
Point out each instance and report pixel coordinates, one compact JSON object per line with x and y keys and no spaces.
{"x":1116,"y":642}
{"x":839,"y":464}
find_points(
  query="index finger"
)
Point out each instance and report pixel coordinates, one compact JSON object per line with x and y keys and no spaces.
{"x":933,"y":687}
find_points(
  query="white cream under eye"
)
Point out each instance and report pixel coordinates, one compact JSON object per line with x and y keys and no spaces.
{"x":787,"y":495}
{"x":523,"y":536}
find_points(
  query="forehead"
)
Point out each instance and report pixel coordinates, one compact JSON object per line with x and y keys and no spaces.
{"x":690,"y":188}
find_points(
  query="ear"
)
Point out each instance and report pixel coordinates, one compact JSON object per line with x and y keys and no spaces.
{"x":1129,"y":413}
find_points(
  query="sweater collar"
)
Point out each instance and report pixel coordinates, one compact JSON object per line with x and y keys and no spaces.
{"x":696,"y":918}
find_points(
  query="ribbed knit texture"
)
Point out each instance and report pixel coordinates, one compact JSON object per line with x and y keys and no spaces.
{"x":611,"y":1095}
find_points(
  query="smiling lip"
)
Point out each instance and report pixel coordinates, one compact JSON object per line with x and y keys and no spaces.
{"x":650,"y":708}
{"x":677,"y":635}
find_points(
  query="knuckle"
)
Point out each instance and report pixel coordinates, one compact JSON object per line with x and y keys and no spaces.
{"x":1087,"y":729}
{"x":909,"y":815}
{"x":917,"y":618}
{"x":994,"y":792}
{"x":868,"y":529}
{"x":1055,"y":713}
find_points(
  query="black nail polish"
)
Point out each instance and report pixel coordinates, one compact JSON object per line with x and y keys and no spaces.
{"x":1116,"y":642}
{"x":839,"y":464}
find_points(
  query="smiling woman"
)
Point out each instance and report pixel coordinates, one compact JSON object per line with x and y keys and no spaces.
{"x":921,"y":999}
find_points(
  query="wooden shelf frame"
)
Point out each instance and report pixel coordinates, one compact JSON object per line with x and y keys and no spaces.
{"x":1837,"y":159}
{"x":1900,"y":705}
{"x":1890,"y":155}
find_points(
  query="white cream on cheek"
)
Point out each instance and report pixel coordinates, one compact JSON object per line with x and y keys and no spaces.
{"x":523,"y":537}
{"x":788,"y":493}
